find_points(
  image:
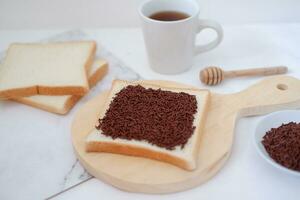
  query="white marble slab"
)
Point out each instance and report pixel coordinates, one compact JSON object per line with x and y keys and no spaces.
{"x":36,"y":155}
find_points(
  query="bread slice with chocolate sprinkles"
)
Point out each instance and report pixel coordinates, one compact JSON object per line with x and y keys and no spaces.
{"x":151,"y":121}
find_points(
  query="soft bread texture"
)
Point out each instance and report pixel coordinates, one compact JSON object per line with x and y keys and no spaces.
{"x":185,"y":158}
{"x":49,"y":69}
{"x":63,"y":104}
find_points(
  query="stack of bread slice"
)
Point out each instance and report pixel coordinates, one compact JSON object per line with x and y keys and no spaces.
{"x":50,"y":76}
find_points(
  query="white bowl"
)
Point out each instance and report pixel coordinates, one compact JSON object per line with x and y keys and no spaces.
{"x":274,"y":120}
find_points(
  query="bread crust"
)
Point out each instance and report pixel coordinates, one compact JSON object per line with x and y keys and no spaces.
{"x":88,"y":64}
{"x":130,"y":150}
{"x":98,"y":75}
{"x":72,"y":100}
{"x":200,"y":126}
{"x":24,"y":92}
{"x":49,"y":90}
{"x":158,"y":85}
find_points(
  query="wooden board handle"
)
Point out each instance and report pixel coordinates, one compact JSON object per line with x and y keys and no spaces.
{"x":271,"y":94}
{"x":256,"y":72}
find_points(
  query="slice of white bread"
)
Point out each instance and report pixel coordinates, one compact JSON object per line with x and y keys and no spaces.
{"x":182,"y":157}
{"x":50,"y":69}
{"x":62,"y":104}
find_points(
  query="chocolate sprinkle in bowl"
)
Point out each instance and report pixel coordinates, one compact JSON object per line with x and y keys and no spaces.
{"x":276,"y":139}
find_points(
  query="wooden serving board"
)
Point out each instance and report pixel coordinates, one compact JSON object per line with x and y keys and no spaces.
{"x":137,"y":174}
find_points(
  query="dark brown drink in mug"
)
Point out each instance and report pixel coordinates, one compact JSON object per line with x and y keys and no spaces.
{"x":170,"y":37}
{"x":169,"y":16}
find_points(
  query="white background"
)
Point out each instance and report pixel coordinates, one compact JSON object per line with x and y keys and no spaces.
{"x":66,"y":14}
{"x":257,"y":33}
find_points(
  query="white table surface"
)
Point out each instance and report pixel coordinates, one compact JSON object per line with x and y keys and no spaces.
{"x":245,"y":175}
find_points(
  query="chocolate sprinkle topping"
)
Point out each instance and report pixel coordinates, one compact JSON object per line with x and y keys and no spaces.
{"x":283,"y":145}
{"x":162,"y":118}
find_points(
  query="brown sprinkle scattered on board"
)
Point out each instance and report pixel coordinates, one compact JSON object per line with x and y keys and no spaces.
{"x":162,"y":118}
{"x":283,"y":145}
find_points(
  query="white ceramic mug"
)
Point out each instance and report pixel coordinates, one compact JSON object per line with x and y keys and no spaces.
{"x":171,"y":44}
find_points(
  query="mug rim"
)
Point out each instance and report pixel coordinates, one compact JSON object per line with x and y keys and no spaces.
{"x":147,"y":18}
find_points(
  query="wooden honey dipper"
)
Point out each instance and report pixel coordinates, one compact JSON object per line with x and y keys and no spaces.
{"x":215,"y":75}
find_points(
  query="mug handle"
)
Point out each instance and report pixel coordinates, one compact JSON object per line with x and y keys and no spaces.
{"x":202,"y":24}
